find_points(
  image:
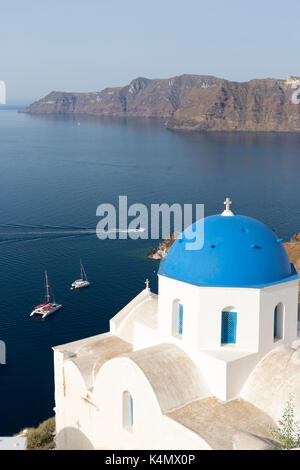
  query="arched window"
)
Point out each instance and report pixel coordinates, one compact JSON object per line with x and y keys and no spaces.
{"x":177,"y":318}
{"x":278,"y":322}
{"x":229,"y":322}
{"x":127,"y":411}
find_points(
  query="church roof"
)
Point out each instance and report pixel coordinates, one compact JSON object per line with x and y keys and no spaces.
{"x":89,"y":354}
{"x":237,"y":251}
{"x":236,"y":424}
{"x":173,"y":376}
{"x":274,"y":380}
{"x":142,"y":307}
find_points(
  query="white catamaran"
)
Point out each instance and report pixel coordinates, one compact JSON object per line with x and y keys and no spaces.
{"x":47,"y":308}
{"x":83,"y":281}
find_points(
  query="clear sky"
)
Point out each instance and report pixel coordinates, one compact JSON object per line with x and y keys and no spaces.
{"x":87,"y":45}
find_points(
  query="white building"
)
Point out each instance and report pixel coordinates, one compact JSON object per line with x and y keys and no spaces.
{"x":207,"y":363}
{"x":13,"y":443}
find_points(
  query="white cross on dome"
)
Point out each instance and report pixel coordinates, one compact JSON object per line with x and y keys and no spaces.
{"x":227,"y":211}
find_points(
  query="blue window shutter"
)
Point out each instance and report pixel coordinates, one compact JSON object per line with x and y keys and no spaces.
{"x":275,"y":322}
{"x":131,"y":410}
{"x":180,"y":318}
{"x":229,"y":320}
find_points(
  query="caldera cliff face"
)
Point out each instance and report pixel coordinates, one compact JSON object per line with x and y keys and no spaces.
{"x":142,"y":98}
{"x":189,"y":103}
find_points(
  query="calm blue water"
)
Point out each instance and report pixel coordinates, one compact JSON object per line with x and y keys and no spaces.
{"x":53,"y":175}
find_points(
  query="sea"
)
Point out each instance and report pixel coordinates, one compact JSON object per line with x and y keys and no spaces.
{"x":55,"y":172}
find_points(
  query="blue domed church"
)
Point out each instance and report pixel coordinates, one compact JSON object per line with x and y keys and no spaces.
{"x":207,"y":363}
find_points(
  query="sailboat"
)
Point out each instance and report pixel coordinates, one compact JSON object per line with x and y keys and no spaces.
{"x":49,"y":306}
{"x":83,"y":281}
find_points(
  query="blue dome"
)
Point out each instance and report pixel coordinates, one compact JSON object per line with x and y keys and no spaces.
{"x":238,"y":251}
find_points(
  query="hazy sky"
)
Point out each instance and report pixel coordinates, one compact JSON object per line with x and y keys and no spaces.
{"x":87,"y":45}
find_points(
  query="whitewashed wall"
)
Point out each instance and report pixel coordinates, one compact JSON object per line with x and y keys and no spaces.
{"x":203,"y":313}
{"x":98,"y":423}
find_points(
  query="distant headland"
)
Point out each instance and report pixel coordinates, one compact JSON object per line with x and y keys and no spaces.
{"x":189,"y":103}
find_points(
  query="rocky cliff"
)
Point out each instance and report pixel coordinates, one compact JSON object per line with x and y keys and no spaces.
{"x":258,"y":105}
{"x":189,"y":103}
{"x":142,"y":97}
{"x":160,"y":252}
{"x":293,"y":250}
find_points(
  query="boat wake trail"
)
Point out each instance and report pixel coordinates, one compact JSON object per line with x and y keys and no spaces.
{"x":23,"y":233}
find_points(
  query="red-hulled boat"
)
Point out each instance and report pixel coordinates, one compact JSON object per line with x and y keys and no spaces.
{"x":48,"y":307}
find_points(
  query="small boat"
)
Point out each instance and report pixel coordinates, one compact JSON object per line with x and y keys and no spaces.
{"x":83,"y":281}
{"x":48,"y":307}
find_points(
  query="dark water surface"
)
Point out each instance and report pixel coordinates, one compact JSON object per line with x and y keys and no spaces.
{"x":54,"y":174}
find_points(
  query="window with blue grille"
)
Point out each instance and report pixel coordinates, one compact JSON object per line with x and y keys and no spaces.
{"x":131,"y":410}
{"x":229,"y":320}
{"x":180,"y":319}
{"x":177,"y":318}
{"x":127,"y":411}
